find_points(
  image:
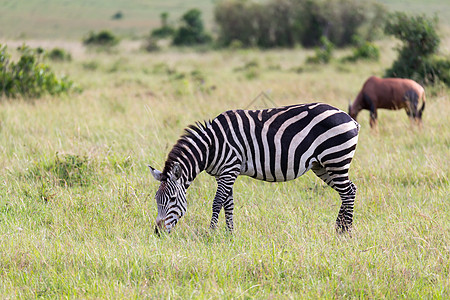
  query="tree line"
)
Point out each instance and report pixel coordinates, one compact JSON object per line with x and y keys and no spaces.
{"x":287,"y":23}
{"x":323,"y":24}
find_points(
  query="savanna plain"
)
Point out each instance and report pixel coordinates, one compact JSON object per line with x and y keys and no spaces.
{"x":77,"y":206}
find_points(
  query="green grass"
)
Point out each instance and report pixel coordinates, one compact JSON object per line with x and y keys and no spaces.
{"x":77,"y":205}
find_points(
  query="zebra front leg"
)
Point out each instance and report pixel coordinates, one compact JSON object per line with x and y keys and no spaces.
{"x":223,"y":194}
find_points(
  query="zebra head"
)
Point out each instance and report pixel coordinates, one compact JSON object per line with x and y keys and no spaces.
{"x":170,"y":197}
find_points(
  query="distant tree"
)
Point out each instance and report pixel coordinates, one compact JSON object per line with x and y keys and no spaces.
{"x":165,"y":30}
{"x":191,"y":32}
{"x":164,"y":17}
{"x":236,"y":23}
{"x":418,"y":33}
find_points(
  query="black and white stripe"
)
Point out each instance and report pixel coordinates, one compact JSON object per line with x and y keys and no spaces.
{"x":278,"y":144}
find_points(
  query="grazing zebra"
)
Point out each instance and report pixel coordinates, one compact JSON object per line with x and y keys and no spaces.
{"x":277,"y":144}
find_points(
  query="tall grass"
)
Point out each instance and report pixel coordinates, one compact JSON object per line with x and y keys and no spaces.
{"x":77,"y":201}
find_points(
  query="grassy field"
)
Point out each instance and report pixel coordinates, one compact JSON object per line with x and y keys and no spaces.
{"x":77,"y":206}
{"x":77,"y":199}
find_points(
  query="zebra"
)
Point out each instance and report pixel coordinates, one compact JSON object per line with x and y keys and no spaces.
{"x":275,"y":145}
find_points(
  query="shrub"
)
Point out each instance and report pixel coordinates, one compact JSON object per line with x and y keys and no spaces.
{"x":192,"y":31}
{"x":417,"y":33}
{"x":367,"y":51}
{"x":251,"y":69}
{"x":255,"y":24}
{"x":416,"y":58}
{"x":323,"y":54}
{"x":117,"y":16}
{"x":29,"y":77}
{"x":65,"y":170}
{"x":151,"y":44}
{"x":165,"y":30}
{"x":103,"y":38}
{"x":58,"y":54}
{"x":364,"y":50}
{"x":90,"y":65}
{"x":439,"y":69}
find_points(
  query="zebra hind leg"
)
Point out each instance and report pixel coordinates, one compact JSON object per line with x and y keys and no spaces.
{"x":345,"y":217}
{"x":338,"y":179}
{"x":228,"y":207}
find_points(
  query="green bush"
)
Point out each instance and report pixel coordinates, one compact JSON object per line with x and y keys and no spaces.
{"x":323,"y":54}
{"x":251,"y":69}
{"x":235,"y":23}
{"x":165,"y":30}
{"x":151,"y":44}
{"x":417,"y":33}
{"x":417,"y":57}
{"x":58,"y":54}
{"x":192,"y":31}
{"x":65,"y":170}
{"x":367,"y":51}
{"x":439,"y":69}
{"x":364,"y":50}
{"x":117,"y":16}
{"x":162,"y":32}
{"x":29,"y":77}
{"x":103,"y":38}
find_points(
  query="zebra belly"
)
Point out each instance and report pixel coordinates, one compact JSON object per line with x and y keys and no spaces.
{"x":266,"y":174}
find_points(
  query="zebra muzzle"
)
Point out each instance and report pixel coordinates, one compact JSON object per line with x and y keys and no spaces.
{"x":159,"y":226}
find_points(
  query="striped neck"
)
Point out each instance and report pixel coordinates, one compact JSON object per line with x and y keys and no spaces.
{"x":191,"y":151}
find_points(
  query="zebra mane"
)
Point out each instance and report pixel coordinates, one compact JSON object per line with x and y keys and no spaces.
{"x":190,"y":132}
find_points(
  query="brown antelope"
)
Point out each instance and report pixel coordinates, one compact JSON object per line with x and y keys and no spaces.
{"x":389,"y":93}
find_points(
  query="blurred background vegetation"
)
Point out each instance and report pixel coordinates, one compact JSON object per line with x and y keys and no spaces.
{"x":235,"y":24}
{"x":64,"y":19}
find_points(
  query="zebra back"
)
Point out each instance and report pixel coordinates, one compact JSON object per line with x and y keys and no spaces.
{"x":280,"y":144}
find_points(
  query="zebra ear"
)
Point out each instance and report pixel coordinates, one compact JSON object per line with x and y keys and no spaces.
{"x":176,"y":171}
{"x":157,"y":174}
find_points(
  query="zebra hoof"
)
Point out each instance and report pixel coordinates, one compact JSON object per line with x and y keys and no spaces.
{"x":343,"y":229}
{"x":157,"y":231}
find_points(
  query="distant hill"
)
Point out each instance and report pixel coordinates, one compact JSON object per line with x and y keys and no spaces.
{"x":63,"y":19}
